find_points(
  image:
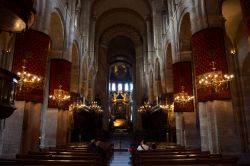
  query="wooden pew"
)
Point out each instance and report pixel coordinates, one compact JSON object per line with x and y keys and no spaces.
{"x":182,"y":157}
{"x":61,"y":156}
{"x":32,"y":162}
{"x":227,"y":161}
{"x":60,"y":152}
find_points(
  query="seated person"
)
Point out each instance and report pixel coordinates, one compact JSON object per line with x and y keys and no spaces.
{"x":100,"y":149}
{"x":153,"y":146}
{"x":142,"y":146}
{"x":91,"y":147}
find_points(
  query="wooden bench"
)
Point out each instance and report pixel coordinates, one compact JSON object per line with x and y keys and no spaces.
{"x":32,"y":162}
{"x":230,"y":161}
{"x":61,"y":152}
{"x":61,"y":156}
{"x":188,"y":157}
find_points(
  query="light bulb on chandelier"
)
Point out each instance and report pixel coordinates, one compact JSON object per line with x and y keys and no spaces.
{"x":26,"y":78}
{"x":77,"y":105}
{"x":95,"y":107}
{"x":182,"y":98}
{"x":144,"y":108}
{"x":214,"y":79}
{"x":168,"y":107}
{"x":60,"y":95}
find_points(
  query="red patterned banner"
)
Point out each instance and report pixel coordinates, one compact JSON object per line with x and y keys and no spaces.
{"x":208,"y":46}
{"x":60,"y":73}
{"x":33,"y":46}
{"x":245,"y":6}
{"x":182,"y":72}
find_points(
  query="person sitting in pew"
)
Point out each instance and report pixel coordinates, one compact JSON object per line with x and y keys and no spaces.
{"x":153,"y":146}
{"x":142,"y":146}
{"x":91,"y":147}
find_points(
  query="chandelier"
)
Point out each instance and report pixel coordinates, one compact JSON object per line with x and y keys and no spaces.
{"x":60,"y":95}
{"x":144,"y":108}
{"x":95,"y":107}
{"x":26,"y":78}
{"x":182,"y":98}
{"x":77,"y":105}
{"x":214,"y":79}
{"x":168,"y":107}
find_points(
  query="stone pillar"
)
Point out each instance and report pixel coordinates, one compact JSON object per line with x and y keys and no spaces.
{"x":203,"y":126}
{"x":214,"y":106}
{"x":31,"y":127}
{"x":218,"y":129}
{"x":11,"y":132}
{"x":179,"y":128}
{"x":50,"y":128}
{"x":62,"y":128}
{"x":192,"y":130}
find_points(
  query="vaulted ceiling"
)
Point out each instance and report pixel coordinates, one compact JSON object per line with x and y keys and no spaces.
{"x":120,"y":25}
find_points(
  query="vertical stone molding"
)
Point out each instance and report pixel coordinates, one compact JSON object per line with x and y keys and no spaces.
{"x":207,"y":46}
{"x":245,"y":6}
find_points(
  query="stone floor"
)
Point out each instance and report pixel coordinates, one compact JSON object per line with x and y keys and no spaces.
{"x":120,"y":158}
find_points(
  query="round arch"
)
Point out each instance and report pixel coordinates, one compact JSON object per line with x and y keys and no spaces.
{"x":56,"y":33}
{"x":185,"y":38}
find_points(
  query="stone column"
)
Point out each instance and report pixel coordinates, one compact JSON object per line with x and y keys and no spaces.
{"x":208,"y":46}
{"x":49,"y":132}
{"x":203,"y":126}
{"x":62,"y":128}
{"x":179,"y":128}
{"x":11,"y":132}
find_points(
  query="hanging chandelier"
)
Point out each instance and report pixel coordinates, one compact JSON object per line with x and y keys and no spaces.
{"x":77,"y":105}
{"x":26,"y":78}
{"x":168,"y":107}
{"x":60,"y":95}
{"x":214,"y":79}
{"x":182,"y":98}
{"x":95,"y":107}
{"x":144,"y":108}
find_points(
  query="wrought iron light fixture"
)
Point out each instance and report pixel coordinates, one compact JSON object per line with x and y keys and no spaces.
{"x":168,"y":107}
{"x":95,"y":107}
{"x":145,"y":107}
{"x":77,"y":105}
{"x":214,"y":79}
{"x":182,"y":98}
{"x":60,"y":95}
{"x":26,"y":78}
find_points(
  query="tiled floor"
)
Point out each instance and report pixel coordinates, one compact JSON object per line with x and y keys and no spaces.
{"x":120,"y":158}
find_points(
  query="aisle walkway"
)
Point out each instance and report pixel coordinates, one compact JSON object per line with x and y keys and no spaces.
{"x":120,"y":159}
